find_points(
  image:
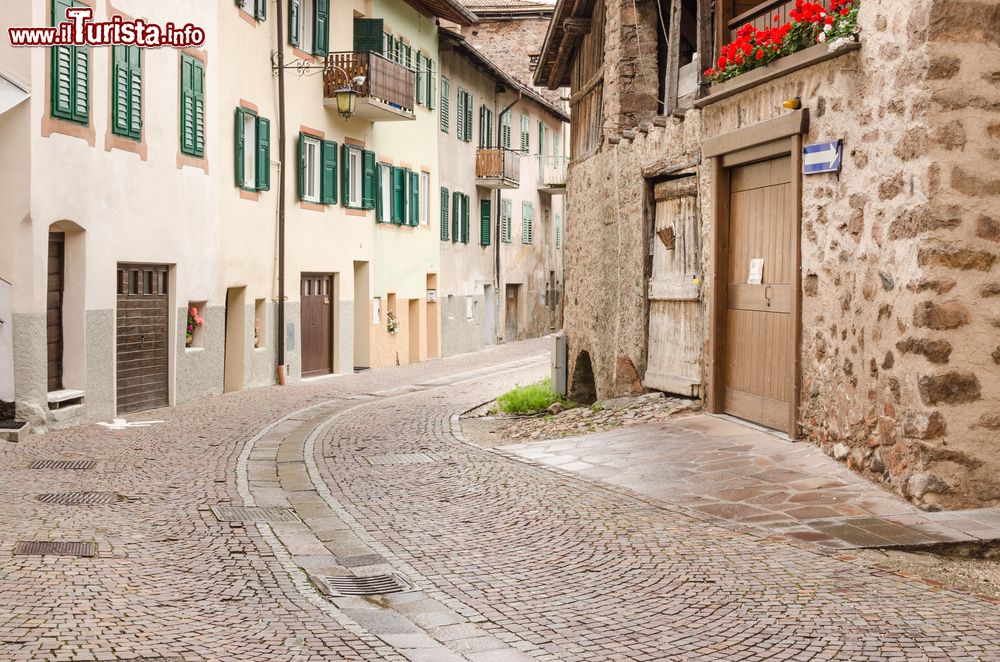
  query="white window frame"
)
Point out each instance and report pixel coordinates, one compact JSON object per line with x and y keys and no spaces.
{"x":313,"y":157}
{"x":357,"y":173}
{"x":249,"y":151}
{"x":425,"y":198}
{"x":307,"y":17}
{"x":385,"y":186}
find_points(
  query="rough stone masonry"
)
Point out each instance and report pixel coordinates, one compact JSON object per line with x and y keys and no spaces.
{"x":900,"y":359}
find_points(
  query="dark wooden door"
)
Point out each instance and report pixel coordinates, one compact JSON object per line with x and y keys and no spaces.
{"x":317,"y":325}
{"x":54,"y":309}
{"x":142,"y":349}
{"x":759,"y":376}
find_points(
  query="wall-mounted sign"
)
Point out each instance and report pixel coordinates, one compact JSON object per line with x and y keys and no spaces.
{"x":756,"y":271}
{"x":432,"y":296}
{"x":822,"y":157}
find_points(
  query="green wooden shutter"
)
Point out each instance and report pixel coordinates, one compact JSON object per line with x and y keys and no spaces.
{"x":468,"y":117}
{"x":460,"y":114}
{"x":456,"y":215}
{"x":199,"y":108}
{"x":345,"y":176}
{"x":527,"y":231}
{"x":506,"y":216}
{"x":260,"y":10}
{"x":187,"y":105}
{"x":414,"y":198}
{"x":466,"y":205}
{"x":70,"y":70}
{"x":484,"y":223}
{"x":418,"y":80}
{"x":445,"y":93}
{"x":135,"y":92}
{"x":328,"y":176}
{"x":379,"y":212}
{"x":302,"y":166}
{"x":120,"y":90}
{"x":368,"y":35}
{"x":321,"y":27}
{"x":294,"y":7}
{"x":263,"y":154}
{"x":489,"y":128}
{"x":398,"y":195}
{"x":558,"y":231}
{"x":368,"y":180}
{"x":444,"y":214}
{"x":505,"y":129}
{"x":482,"y":126}
{"x":240,"y":147}
{"x":525,"y":133}
{"x":430,"y":83}
{"x":541,"y":138}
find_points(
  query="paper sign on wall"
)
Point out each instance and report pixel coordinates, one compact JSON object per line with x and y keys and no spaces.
{"x":756,"y":271}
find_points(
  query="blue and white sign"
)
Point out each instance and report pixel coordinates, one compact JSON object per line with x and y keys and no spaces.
{"x":822,"y":157}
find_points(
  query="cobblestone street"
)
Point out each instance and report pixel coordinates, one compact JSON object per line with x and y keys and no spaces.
{"x":509,"y":560}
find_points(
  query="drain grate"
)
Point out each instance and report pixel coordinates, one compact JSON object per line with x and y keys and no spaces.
{"x":403,"y":458}
{"x":79,"y":465}
{"x":373,"y":585}
{"x":253,"y":514}
{"x":12,"y":425}
{"x":52,"y":548}
{"x":80,"y":498}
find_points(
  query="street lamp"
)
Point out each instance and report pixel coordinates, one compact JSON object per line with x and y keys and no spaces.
{"x":347,"y":94}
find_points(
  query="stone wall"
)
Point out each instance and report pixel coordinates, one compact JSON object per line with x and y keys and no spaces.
{"x":508,"y":43}
{"x":901,"y":297}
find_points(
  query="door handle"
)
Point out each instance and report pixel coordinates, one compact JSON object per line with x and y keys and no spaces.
{"x":767,"y":295}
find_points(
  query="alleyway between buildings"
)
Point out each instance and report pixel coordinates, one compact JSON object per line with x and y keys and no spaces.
{"x":227,"y":531}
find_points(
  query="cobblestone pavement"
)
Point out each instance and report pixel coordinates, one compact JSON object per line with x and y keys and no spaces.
{"x":511,"y":561}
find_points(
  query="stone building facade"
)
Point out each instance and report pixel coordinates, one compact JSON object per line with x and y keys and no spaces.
{"x":894,"y":344}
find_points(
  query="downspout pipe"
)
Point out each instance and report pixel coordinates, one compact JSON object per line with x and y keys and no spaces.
{"x":279,"y":11}
{"x":501,"y":297}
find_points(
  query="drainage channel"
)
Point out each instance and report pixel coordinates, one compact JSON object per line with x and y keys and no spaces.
{"x":364,"y":587}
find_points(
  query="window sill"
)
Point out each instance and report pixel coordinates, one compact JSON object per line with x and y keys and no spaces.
{"x":193,"y":350}
{"x":777,"y":69}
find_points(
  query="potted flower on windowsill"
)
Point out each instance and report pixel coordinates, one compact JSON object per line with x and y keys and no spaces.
{"x":811,"y":24}
{"x":193,"y":321}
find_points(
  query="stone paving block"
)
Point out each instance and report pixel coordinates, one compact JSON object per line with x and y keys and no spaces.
{"x":383,"y":621}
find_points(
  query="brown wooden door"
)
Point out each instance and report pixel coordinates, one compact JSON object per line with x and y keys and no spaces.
{"x":142,"y":348}
{"x":54,"y":309}
{"x":317,"y":325}
{"x":759,"y":332}
{"x":676,"y":335}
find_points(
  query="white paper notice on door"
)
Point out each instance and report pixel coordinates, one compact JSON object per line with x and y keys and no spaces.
{"x":756,"y":271}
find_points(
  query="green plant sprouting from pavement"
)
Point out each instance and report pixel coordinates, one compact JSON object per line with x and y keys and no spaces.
{"x":531,"y":399}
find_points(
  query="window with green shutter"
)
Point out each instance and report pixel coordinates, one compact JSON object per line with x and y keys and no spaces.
{"x":541,"y":138}
{"x":429,"y":63}
{"x":558,"y":231}
{"x":468,"y":117}
{"x":460,"y":114}
{"x":253,"y":151}
{"x":527,"y":223}
{"x":485,"y":225}
{"x":398,"y":212}
{"x":525,"y":133}
{"x":456,"y":216}
{"x":192,"y":106}
{"x":505,"y":129}
{"x":485,"y":127}
{"x":413,"y":211}
{"x":369,"y":35}
{"x":506,"y":214}
{"x":445,"y":102}
{"x":126,"y":93}
{"x":294,"y":22}
{"x":328,"y":173}
{"x":444,"y":214}
{"x":418,"y":80}
{"x":263,"y":165}
{"x":258,"y":8}
{"x":70,"y":73}
{"x":369,"y":180}
{"x":321,"y":27}
{"x":318,"y":20}
{"x":465,"y":219}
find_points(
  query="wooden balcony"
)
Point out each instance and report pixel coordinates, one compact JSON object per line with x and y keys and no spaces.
{"x":552,"y":174}
{"x":498,"y":168}
{"x":762,"y":16}
{"x":388,"y":93}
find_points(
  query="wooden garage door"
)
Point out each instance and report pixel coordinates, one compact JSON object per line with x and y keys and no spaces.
{"x":142,"y":337}
{"x":317,"y":325}
{"x":759,"y":340}
{"x":54,"y":308}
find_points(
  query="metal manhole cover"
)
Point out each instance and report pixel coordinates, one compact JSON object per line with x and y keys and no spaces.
{"x":52,"y":548}
{"x":402,"y":458}
{"x":81,"y":498}
{"x":373,"y":585}
{"x":64,"y":464}
{"x":253,"y":514}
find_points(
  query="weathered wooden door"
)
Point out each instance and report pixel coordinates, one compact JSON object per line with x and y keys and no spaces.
{"x":510,"y":314}
{"x":142,"y":347}
{"x":759,"y":331}
{"x":54,"y":309}
{"x":676,"y":331}
{"x":317,"y":325}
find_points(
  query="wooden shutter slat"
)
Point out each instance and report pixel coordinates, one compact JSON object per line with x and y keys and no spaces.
{"x":263,"y":164}
{"x":240,"y":151}
{"x":368,"y":180}
{"x":321,"y":30}
{"x":484,"y":223}
{"x":328,"y":177}
{"x":444,"y":214}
